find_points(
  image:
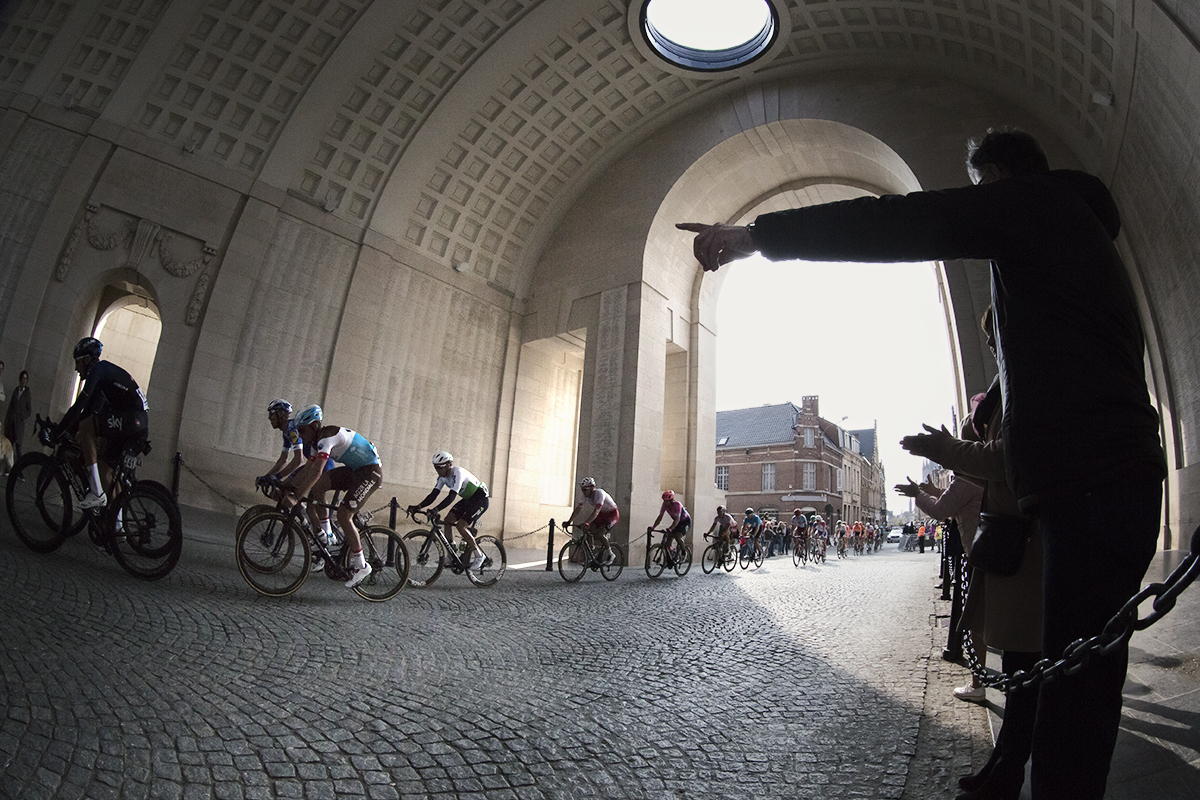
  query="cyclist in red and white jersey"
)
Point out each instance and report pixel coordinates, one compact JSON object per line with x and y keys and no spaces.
{"x":599,"y":513}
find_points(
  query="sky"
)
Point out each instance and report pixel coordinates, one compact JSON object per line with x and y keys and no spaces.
{"x":869,"y":339}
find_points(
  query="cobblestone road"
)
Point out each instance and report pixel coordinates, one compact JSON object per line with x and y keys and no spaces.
{"x":776,"y":682}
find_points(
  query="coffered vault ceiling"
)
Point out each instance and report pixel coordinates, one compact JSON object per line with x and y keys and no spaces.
{"x":579,"y":91}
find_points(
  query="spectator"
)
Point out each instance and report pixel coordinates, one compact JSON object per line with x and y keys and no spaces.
{"x":1068,"y":334}
{"x":19,"y":409}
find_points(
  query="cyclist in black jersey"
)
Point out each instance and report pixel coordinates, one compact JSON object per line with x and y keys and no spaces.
{"x":109,"y":411}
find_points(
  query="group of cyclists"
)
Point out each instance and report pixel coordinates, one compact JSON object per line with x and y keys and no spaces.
{"x":799,"y":533}
{"x":317,"y":457}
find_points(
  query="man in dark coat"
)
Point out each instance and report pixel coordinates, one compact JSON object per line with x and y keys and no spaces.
{"x":1081,"y":436}
{"x":19,"y":409}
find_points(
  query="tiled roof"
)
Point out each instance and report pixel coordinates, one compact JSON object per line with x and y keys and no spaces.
{"x":749,"y":427}
{"x":866,"y":443}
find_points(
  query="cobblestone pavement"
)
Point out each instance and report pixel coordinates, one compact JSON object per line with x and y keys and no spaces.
{"x":820,"y":682}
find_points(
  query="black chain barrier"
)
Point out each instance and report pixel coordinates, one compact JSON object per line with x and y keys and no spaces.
{"x":1116,"y":632}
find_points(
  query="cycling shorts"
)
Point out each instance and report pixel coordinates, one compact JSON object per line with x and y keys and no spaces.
{"x":606,"y":519}
{"x":683,"y":526}
{"x":118,"y":428}
{"x":472,"y":508}
{"x":356,"y":484}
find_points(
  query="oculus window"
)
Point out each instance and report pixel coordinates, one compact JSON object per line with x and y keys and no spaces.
{"x":709,"y":35}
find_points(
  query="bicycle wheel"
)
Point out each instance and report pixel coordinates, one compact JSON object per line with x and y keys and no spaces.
{"x":708,"y":559}
{"x":797,"y":555}
{"x":151,"y":537}
{"x":273,"y":554}
{"x":494,"y":562}
{"x":573,"y":560}
{"x":731,"y":558}
{"x":613,"y":570}
{"x":384,"y":550}
{"x":683,"y":561}
{"x":426,"y":557}
{"x":250,"y":514}
{"x":744,"y":556}
{"x":656,"y":560}
{"x":759,"y":555}
{"x":39,"y":503}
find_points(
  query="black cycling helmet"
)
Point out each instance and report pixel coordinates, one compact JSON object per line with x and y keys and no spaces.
{"x":87,"y":346}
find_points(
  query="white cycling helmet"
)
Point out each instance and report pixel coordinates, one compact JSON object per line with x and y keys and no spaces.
{"x":279,"y":405}
{"x":442,"y":458}
{"x":309,"y":414}
{"x":587,"y":483}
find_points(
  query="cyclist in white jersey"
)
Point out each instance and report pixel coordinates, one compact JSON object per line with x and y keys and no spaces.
{"x":472,"y":496}
{"x":358,"y":476}
{"x":599,"y":513}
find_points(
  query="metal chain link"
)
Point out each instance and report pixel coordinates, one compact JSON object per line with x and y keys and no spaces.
{"x":1116,"y":632}
{"x":209,"y":486}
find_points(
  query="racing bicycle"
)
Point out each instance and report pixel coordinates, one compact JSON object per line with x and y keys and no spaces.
{"x":721,"y":553}
{"x":277,"y":550}
{"x":432,"y":552}
{"x":140,"y":527}
{"x":578,"y":556}
{"x":666,"y":555}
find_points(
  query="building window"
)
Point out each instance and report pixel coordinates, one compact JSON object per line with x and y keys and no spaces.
{"x":810,"y":477}
{"x":839,"y":480}
{"x":768,"y":477}
{"x":808,"y":437}
{"x":723,"y":478}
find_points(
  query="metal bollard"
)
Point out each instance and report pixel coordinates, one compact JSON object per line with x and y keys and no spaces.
{"x":394,"y":506}
{"x":550,"y":549}
{"x":177,"y":462}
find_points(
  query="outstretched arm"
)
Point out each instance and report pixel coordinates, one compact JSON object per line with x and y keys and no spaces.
{"x":717,"y":245}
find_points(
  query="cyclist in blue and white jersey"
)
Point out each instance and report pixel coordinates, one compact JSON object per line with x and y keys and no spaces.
{"x":279,"y":414}
{"x":472,"y":496}
{"x":358,"y":476}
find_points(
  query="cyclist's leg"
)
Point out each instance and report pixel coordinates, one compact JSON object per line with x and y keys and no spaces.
{"x":360,"y":484}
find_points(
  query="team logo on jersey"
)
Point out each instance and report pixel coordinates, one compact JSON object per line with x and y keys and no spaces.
{"x":116,"y":423}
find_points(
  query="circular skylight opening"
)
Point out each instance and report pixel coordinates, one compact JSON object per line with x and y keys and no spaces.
{"x":709,"y":35}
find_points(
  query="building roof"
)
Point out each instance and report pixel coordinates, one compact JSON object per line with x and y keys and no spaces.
{"x":866,"y":443}
{"x":750,"y":427}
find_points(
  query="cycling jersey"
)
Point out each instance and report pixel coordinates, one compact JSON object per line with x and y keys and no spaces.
{"x":752,"y":523}
{"x":674,"y":509}
{"x":108,"y":389}
{"x":461,"y":482}
{"x":349,"y":448}
{"x":601,"y":500}
{"x":291,"y":438}
{"x":723,"y":522}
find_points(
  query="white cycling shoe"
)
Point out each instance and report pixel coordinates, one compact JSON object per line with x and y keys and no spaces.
{"x":357,"y":576}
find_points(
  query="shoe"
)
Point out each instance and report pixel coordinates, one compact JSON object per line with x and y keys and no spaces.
{"x":953,"y":656}
{"x":318,"y":564}
{"x":972,"y":694}
{"x":476,"y":561}
{"x":610,"y":558}
{"x":93,"y":500}
{"x":356,"y":577}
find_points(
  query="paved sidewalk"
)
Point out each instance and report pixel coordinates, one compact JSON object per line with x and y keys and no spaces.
{"x":821,"y":682}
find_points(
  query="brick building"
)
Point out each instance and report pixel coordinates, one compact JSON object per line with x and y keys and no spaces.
{"x":776,"y":458}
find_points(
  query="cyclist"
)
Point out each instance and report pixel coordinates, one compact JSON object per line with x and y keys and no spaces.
{"x":722,"y":526}
{"x":358,"y":476}
{"x":109,"y":412}
{"x":751,"y":526}
{"x":472,"y":495}
{"x":799,"y":527}
{"x":601,"y":514}
{"x":680,"y":518}
{"x":279,"y":414}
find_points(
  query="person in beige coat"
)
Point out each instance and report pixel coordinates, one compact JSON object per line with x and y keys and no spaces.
{"x":1006,"y":611}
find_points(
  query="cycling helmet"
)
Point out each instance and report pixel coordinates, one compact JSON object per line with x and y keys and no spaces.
{"x":279,"y":405}
{"x":720,"y":509}
{"x":796,"y":512}
{"x":442,"y":458}
{"x":587,"y":483}
{"x":87,"y":346}
{"x":668,"y":495}
{"x":749,"y":510}
{"x":309,"y":414}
